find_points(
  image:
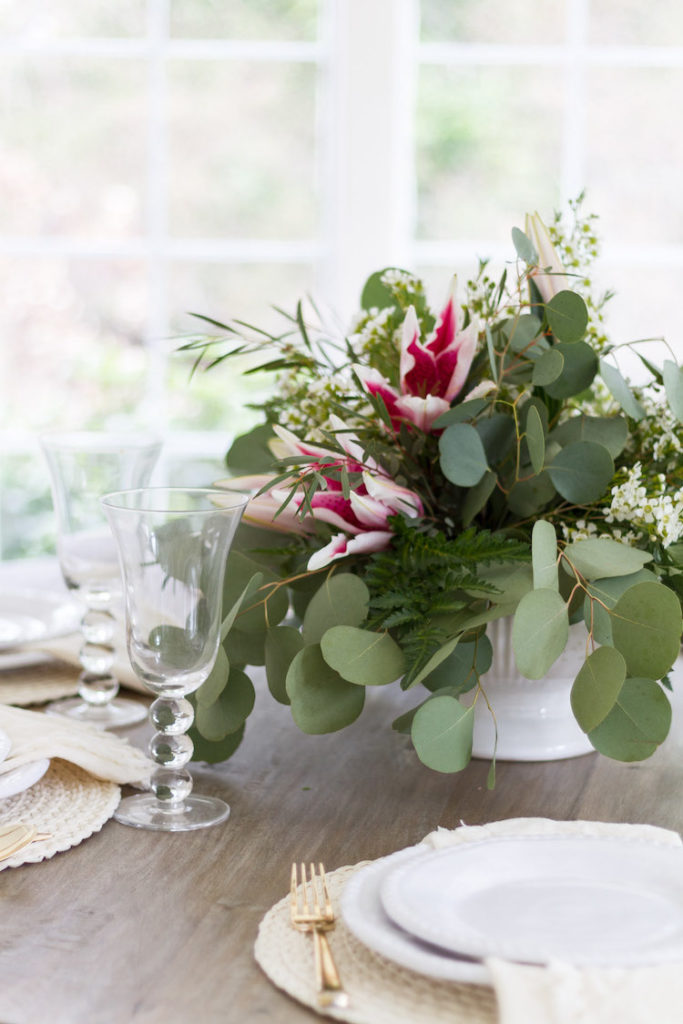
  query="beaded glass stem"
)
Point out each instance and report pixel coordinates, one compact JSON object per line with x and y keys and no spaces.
{"x":173,"y":546}
{"x":84,"y":466}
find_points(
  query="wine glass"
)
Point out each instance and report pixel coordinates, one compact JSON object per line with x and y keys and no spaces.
{"x":173,"y":545}
{"x":84,"y":466}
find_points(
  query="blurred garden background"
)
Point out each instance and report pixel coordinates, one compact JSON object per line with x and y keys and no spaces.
{"x":159,"y":157}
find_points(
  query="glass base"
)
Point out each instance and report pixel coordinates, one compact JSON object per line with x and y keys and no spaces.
{"x":145,"y":811}
{"x":113,"y":715}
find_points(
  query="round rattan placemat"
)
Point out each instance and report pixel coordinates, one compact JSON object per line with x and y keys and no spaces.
{"x":36,"y":684}
{"x":67,"y":802}
{"x":380,"y":992}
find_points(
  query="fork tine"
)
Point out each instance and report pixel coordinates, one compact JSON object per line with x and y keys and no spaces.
{"x":304,"y":888}
{"x":314,"y":887}
{"x":326,"y":892}
{"x":293,"y":897}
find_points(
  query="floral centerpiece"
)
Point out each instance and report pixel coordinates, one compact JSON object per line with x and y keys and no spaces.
{"x":441,"y":468}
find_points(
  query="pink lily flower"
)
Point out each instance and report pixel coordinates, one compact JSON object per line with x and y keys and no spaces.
{"x":262,"y":508}
{"x":362,"y":518}
{"x":549,"y":277}
{"x":432,"y":372}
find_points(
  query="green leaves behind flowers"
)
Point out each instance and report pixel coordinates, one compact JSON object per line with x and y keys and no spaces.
{"x":567,"y":316}
{"x":598,"y":558}
{"x":646,"y":629}
{"x":673,"y":384}
{"x":539,"y":632}
{"x":441,"y":732}
{"x":283,"y":643}
{"x":625,"y":718}
{"x":463,"y":458}
{"x":342,"y":600}
{"x":362,"y":656}
{"x":582,"y":471}
{"x":322,"y":701}
{"x":544,"y":556}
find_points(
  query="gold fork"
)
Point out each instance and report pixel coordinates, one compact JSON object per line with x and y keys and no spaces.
{"x":311,"y":911}
{"x":14,"y":837}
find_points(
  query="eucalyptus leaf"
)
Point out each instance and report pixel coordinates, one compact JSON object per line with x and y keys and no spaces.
{"x":442,"y":733}
{"x":321,"y":700}
{"x":535,"y":439}
{"x":567,"y":316}
{"x":362,"y":656}
{"x":610,"y":431}
{"x":229,"y":619}
{"x":245,"y":648}
{"x":637,"y":724}
{"x":265,"y":607}
{"x":597,"y":687}
{"x":673,"y":384}
{"x":283,"y":643}
{"x":175,"y":648}
{"x":528,"y":497}
{"x":512,"y":582}
{"x":341,"y":600}
{"x":214,"y":753}
{"x":463,"y":459}
{"x":601,"y":597}
{"x":621,"y":391}
{"x":524,"y":247}
{"x":522,"y":331}
{"x":476,"y":497}
{"x":460,"y":413}
{"x":375,"y":294}
{"x":582,"y":471}
{"x":544,"y":556}
{"x":497,"y":434}
{"x":436,"y":659}
{"x":599,"y":558}
{"x":580,"y":367}
{"x":548,"y":368}
{"x":539,"y":632}
{"x":229,"y":711}
{"x":217,"y":680}
{"x":249,"y":453}
{"x":461,"y":670}
{"x":646,"y":629}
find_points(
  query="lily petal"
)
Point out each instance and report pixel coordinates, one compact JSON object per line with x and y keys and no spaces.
{"x":550,"y":276}
{"x":340,"y":546}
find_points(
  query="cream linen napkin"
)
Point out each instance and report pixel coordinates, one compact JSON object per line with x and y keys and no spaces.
{"x":560,"y":993}
{"x":34,"y":736}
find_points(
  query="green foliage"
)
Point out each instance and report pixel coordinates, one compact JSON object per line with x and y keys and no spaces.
{"x":452,"y":517}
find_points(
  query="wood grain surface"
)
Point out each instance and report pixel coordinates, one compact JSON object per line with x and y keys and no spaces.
{"x":135,"y":926}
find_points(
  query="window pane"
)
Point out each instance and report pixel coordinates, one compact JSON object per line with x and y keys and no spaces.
{"x":634,"y":182}
{"x":74,"y":147}
{"x":242,"y":143}
{"x":634,"y":23}
{"x":492,"y":21}
{"x":72,"y":355}
{"x":73,"y":18}
{"x":629,"y":318}
{"x":247,"y":292}
{"x":488,"y":149}
{"x":244,"y":19}
{"x":27,"y":524}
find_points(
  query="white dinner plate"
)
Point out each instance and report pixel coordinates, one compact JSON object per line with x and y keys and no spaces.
{"x":21,"y":778}
{"x":364,"y":916}
{"x":583,"y":900}
{"x":29,"y":615}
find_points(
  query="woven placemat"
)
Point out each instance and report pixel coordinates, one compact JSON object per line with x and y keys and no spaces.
{"x":380,"y":992}
{"x":36,"y":684}
{"x":67,"y":802}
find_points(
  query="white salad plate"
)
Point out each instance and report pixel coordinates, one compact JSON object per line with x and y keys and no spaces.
{"x":30,"y":615}
{"x":364,"y":916}
{"x":23,"y":777}
{"x":582,"y":900}
{"x":5,"y":745}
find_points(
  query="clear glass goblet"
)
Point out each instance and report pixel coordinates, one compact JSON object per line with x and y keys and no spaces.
{"x":84,"y":466}
{"x":173,"y":546}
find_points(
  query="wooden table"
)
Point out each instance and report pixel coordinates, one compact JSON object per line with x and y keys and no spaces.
{"x":134,"y":926}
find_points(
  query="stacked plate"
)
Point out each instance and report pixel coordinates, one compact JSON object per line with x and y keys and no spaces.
{"x":29,"y":617}
{"x":16,"y":780}
{"x":534,"y":899}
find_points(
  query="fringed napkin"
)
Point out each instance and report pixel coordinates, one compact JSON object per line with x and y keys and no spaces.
{"x":100,"y":753}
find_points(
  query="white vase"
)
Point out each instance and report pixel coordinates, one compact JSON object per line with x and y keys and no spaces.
{"x":533,"y":716}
